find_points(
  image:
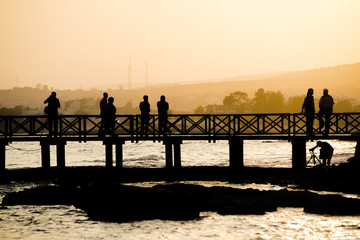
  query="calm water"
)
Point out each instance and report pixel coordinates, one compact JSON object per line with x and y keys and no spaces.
{"x":67,"y":222}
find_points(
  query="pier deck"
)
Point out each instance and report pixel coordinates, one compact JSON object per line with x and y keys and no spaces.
{"x":234,"y":128}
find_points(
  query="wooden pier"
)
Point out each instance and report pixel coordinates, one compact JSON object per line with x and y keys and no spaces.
{"x":234,"y":128}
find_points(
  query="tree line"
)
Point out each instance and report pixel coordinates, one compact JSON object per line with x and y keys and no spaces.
{"x":270,"y":102}
{"x":236,"y":102}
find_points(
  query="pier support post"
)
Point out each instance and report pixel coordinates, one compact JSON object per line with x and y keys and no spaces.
{"x":236,"y":153}
{"x":108,"y":155}
{"x":2,"y":154}
{"x":168,"y":154}
{"x":119,"y":154}
{"x":177,"y":154}
{"x":298,"y":153}
{"x":45,"y":154}
{"x":60,"y":154}
{"x":118,"y":142}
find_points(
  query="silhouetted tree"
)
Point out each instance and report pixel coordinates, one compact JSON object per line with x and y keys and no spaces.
{"x":259,"y":101}
{"x":199,"y":110}
{"x":236,"y":101}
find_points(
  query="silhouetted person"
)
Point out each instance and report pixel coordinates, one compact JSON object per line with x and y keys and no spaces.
{"x":103,"y":110}
{"x":308,"y":108}
{"x":145,"y":116}
{"x":326,"y":152}
{"x":110,"y":113}
{"x":163,"y":108}
{"x":52,"y":112}
{"x":326,"y":104}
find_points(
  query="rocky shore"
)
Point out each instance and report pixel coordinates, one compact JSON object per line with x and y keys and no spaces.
{"x":100,"y":192}
{"x":116,"y":202}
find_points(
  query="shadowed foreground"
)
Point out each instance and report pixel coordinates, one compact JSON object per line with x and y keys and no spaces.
{"x":115,"y":202}
{"x":101,"y":194}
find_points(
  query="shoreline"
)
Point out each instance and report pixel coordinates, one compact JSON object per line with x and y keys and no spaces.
{"x":343,"y":178}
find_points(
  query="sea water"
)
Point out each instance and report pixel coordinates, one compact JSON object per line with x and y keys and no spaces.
{"x":68,"y":222}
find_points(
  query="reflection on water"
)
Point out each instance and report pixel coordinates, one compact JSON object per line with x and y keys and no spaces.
{"x":67,"y":222}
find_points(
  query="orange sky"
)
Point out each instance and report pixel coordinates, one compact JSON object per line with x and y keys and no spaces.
{"x":88,"y":43}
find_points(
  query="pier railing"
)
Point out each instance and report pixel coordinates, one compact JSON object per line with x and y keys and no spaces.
{"x":214,"y":125}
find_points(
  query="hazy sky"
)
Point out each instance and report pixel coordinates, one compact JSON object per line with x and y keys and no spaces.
{"x":73,"y":43}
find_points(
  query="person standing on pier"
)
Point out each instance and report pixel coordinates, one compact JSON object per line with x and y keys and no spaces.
{"x":145,"y":115}
{"x":52,"y":111}
{"x":163,"y":108}
{"x":326,"y":104}
{"x":308,"y":108}
{"x":326,"y":152}
{"x":103,"y":110}
{"x":110,"y":112}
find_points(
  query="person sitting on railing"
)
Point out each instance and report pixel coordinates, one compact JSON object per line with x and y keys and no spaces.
{"x":309,"y":108}
{"x":111,"y":111}
{"x":52,"y":111}
{"x":326,"y":152}
{"x":163,"y":108}
{"x":326,"y":104}
{"x":145,"y":115}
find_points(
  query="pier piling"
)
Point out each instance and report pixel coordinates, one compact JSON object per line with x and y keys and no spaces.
{"x":119,"y":154}
{"x":108,"y":155}
{"x":60,"y":154}
{"x":45,"y":154}
{"x":236,"y":153}
{"x":298,"y":153}
{"x":168,"y":154}
{"x":177,"y":154}
{"x":2,"y":154}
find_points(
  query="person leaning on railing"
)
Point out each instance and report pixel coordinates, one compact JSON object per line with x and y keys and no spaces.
{"x":52,"y":111}
{"x":308,"y":108}
{"x":326,"y":104}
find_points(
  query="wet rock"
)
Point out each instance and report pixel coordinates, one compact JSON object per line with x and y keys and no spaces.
{"x":115,"y":202}
{"x":127,"y":203}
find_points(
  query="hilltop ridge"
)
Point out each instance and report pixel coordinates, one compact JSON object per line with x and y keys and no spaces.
{"x":343,"y":80}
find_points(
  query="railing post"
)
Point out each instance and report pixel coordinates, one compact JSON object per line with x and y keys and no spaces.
{"x":289,"y":126}
{"x":347,"y":123}
{"x":6,"y":127}
{"x":10,"y":128}
{"x":137,"y":127}
{"x":60,"y":125}
{"x":298,"y":153}
{"x":84,"y":132}
{"x":294,"y":124}
{"x":79,"y":127}
{"x":132,"y":127}
{"x":236,"y":152}
{"x":207,"y":126}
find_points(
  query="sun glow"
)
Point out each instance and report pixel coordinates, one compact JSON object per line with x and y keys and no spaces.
{"x":68,"y":43}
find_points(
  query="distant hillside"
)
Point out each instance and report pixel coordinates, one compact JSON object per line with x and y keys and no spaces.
{"x":341,"y":81}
